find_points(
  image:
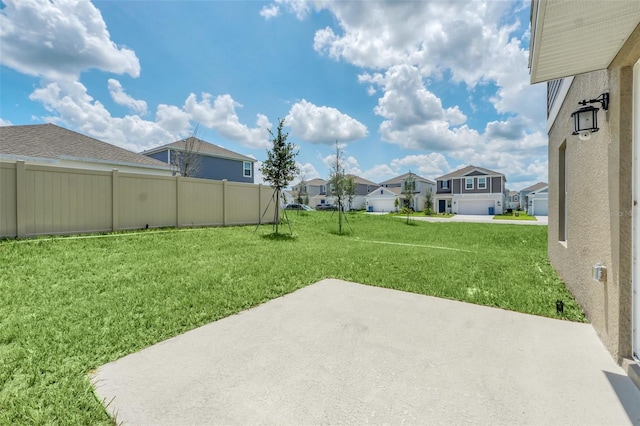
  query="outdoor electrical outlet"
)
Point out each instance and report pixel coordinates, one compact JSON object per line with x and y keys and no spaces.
{"x":599,"y":273}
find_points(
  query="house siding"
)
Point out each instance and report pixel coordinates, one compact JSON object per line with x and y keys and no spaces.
{"x":456,"y":186}
{"x":213,"y":167}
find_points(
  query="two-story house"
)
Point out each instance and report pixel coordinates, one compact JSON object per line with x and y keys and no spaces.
{"x":315,"y":190}
{"x":209,"y":161}
{"x":471,"y":190}
{"x":363,"y":188}
{"x":420,"y":186}
{"x":589,"y":58}
{"x":535,"y":199}
{"x":513,"y":202}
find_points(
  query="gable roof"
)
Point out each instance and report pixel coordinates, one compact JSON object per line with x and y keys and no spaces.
{"x":317,"y":182}
{"x":48,"y":141}
{"x":362,"y":181}
{"x":402,"y":178}
{"x":203,"y":147}
{"x":535,"y":187}
{"x":388,"y":192}
{"x":466,"y":170}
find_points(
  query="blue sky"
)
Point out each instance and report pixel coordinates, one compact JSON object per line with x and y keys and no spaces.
{"x":426,"y":86}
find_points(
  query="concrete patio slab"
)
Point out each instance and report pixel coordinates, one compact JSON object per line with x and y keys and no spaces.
{"x":342,"y":353}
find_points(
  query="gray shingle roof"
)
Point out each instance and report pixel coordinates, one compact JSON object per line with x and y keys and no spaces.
{"x":363,"y":181}
{"x":48,"y":141}
{"x":402,"y":178}
{"x":203,"y":147}
{"x":463,"y":171}
{"x":535,"y":187}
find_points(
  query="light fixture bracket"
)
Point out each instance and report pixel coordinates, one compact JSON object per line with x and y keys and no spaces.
{"x":602,"y":99}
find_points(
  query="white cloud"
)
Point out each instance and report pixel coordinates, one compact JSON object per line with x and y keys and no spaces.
{"x":322,"y":124}
{"x":5,"y":122}
{"x":308,"y":171}
{"x":221,"y":116}
{"x":429,"y":166}
{"x":121,"y":98}
{"x":269,"y":11}
{"x":60,"y":40}
{"x":300,"y":8}
{"x":379,"y":173}
{"x":73,"y":106}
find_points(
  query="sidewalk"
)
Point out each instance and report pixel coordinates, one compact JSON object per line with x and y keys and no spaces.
{"x":343,"y":353}
{"x":540,"y":220}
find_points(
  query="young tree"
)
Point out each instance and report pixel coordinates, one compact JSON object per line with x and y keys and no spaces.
{"x":428,"y":202}
{"x":350,"y":187}
{"x":187,"y":160}
{"x":302,"y":189}
{"x":337,"y":183}
{"x":407,"y":191}
{"x":279,"y":168}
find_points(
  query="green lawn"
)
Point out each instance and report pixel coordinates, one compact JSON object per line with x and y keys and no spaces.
{"x":512,"y":216}
{"x":69,"y":305}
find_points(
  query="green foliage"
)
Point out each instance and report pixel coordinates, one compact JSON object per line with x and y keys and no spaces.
{"x":408,"y":188}
{"x":279,"y":168}
{"x":338,"y":184}
{"x":90,"y":301}
{"x":428,"y":203}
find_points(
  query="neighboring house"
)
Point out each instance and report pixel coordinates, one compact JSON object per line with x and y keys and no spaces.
{"x":513,"y":202}
{"x":363,"y":188}
{"x":419,"y":189}
{"x":471,"y":190}
{"x":594,"y":180}
{"x":55,"y":145}
{"x":535,"y":199}
{"x":315,"y":189}
{"x":213,"y":161}
{"x":383,"y":200}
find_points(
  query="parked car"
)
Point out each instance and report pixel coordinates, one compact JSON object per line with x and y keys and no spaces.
{"x":298,"y":207}
{"x":326,"y":207}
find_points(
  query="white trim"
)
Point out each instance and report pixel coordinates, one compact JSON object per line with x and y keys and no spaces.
{"x":466,"y":187}
{"x":557,"y":103}
{"x":485,"y":182}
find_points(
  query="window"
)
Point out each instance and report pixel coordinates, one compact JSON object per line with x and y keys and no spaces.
{"x":482,"y":183}
{"x":444,"y":184}
{"x":246,"y":168}
{"x":323,"y":189}
{"x":468,"y":183}
{"x":562,"y":192}
{"x":409,"y":186}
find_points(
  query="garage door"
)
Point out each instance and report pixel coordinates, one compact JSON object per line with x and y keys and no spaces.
{"x":382,"y":204}
{"x":475,"y":206}
{"x":540,"y":207}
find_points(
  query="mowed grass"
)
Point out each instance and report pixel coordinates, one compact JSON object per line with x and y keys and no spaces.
{"x":69,"y":305}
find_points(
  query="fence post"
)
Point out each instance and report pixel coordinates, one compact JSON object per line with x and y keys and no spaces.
{"x":178,"y":212}
{"x":115,"y":200}
{"x":259,"y":204}
{"x":224,"y":202}
{"x":21,"y":199}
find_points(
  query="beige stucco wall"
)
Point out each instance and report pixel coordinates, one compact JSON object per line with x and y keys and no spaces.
{"x":599,"y":196}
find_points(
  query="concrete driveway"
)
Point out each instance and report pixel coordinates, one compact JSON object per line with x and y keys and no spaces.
{"x":540,"y":220}
{"x":343,"y":353}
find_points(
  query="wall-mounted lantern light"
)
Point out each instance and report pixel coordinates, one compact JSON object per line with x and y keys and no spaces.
{"x":585,"y":119}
